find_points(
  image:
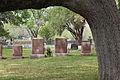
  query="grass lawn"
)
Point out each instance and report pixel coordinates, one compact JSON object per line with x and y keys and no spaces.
{"x":73,"y":67}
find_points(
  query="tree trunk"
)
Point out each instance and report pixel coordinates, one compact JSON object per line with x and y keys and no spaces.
{"x":106,"y":35}
{"x":79,"y":36}
{"x":105,"y":27}
{"x":76,"y":34}
{"x":108,"y":42}
{"x":104,"y":21}
{"x":76,"y":29}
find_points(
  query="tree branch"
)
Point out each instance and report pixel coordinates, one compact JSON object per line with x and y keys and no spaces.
{"x":9,"y":5}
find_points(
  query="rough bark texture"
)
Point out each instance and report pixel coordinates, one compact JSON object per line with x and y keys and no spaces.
{"x":104,"y":22}
{"x":9,"y":5}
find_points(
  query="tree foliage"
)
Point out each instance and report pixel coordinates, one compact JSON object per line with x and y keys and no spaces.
{"x":118,"y":4}
{"x":35,"y":22}
{"x":60,"y":18}
{"x":46,"y":33}
{"x":4,"y":17}
{"x":12,"y":17}
{"x":29,"y":19}
{"x":3,"y":32}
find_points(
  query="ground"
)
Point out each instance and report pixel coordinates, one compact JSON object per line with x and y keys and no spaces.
{"x":72,"y":67}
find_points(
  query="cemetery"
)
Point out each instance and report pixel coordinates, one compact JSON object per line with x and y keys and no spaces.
{"x":59,"y":40}
{"x":23,"y":63}
{"x":38,"y":49}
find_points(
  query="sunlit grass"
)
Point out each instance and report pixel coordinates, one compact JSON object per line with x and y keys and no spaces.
{"x":72,"y":67}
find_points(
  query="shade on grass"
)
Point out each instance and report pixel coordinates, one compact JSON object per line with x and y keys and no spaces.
{"x":73,"y":67}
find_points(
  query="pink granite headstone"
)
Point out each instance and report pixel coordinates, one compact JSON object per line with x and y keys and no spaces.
{"x":1,"y":57}
{"x":37,"y":48}
{"x":17,"y":52}
{"x":86,"y":48}
{"x":0,"y":50}
{"x":61,"y":47}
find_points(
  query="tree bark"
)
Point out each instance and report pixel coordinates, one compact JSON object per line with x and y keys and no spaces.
{"x":9,"y":5}
{"x":107,"y":41}
{"x":104,"y":21}
{"x":106,"y":32}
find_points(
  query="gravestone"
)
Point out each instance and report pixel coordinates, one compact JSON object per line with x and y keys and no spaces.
{"x":37,"y":48}
{"x":61,"y":47}
{"x":74,"y":46}
{"x":17,"y":52}
{"x":86,"y":48}
{"x":1,"y":57}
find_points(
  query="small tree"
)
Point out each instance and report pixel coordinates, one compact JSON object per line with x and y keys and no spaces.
{"x":46,"y":33}
{"x":35,"y":22}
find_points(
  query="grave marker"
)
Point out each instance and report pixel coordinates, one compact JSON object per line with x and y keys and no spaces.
{"x":61,"y":47}
{"x":86,"y":48}
{"x":37,"y":48}
{"x":1,"y":57}
{"x":17,"y":52}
